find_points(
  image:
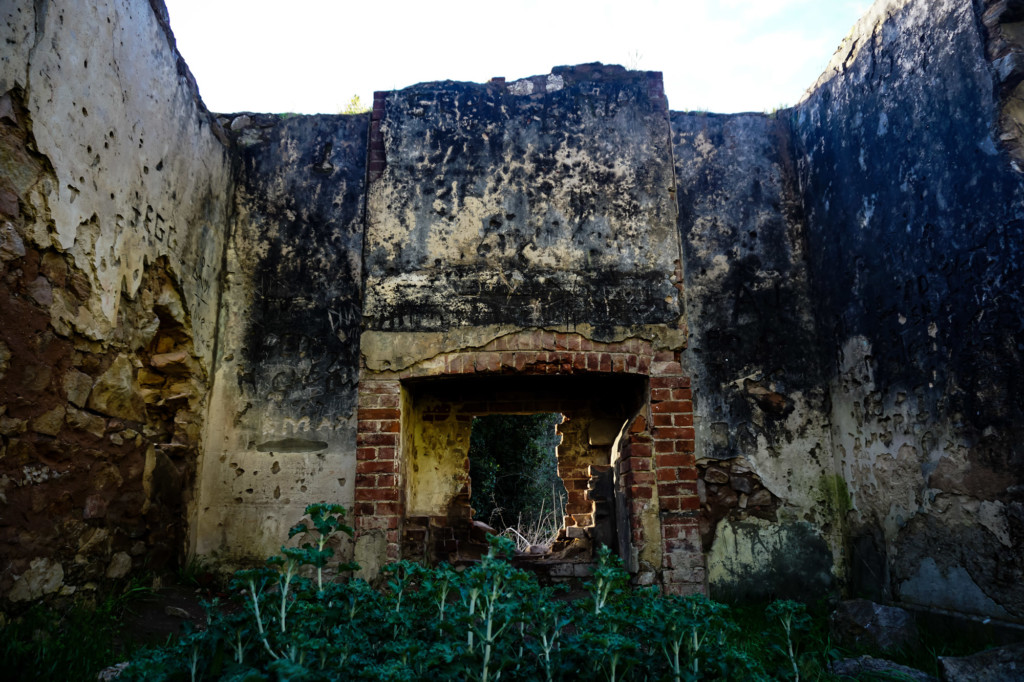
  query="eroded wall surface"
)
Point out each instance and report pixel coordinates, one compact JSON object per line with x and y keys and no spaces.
{"x":770,"y":520}
{"x":114,"y":195}
{"x":284,"y":397}
{"x":546,"y":201}
{"x":916,"y":221}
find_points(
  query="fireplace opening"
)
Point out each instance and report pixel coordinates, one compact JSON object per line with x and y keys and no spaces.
{"x":514,"y":481}
{"x":587,"y":417}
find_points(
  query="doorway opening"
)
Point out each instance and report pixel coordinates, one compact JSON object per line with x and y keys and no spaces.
{"x":513,"y":471}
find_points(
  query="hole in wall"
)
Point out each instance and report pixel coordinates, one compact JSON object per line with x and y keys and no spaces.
{"x":439,"y":418}
{"x":514,"y":482}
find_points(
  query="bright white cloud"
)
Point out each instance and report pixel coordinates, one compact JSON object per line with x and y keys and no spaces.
{"x":313,"y":55}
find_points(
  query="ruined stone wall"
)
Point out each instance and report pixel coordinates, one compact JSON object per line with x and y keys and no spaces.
{"x":770,"y":520}
{"x":114,"y":192}
{"x":816,"y":314}
{"x":915,"y":225}
{"x":516,"y":230}
{"x":546,"y":201}
{"x":284,"y":398}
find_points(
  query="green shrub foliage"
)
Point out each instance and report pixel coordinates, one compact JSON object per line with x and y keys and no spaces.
{"x":513,"y":468}
{"x":489,"y":621}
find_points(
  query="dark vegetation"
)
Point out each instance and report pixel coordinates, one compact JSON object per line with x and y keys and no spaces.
{"x":514,"y":471}
{"x":288,"y":621}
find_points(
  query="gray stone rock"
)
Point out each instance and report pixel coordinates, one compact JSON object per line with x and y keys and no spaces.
{"x":120,"y":565}
{"x":866,"y":667}
{"x":860,"y":622}
{"x":77,"y":386}
{"x":116,"y":394}
{"x":43,"y":577}
{"x":716,"y":475}
{"x":85,"y":421}
{"x":741,"y":484}
{"x":1005,"y":664}
{"x":51,"y":422}
{"x":40,"y":291}
{"x":11,"y":245}
{"x":5,"y":358}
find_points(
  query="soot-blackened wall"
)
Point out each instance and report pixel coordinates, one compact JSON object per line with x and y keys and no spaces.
{"x":915,"y":215}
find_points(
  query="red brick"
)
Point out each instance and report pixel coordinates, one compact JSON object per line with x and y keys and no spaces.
{"x":688,"y":488}
{"x":691,"y":503}
{"x":643,"y":365}
{"x":377,"y":467}
{"x":669,"y":503}
{"x":685,"y":446}
{"x":507,"y":361}
{"x":376,"y":495}
{"x":606,"y":362}
{"x":618,"y":363}
{"x":388,"y":509}
{"x":366,"y":453}
{"x":387,"y":481}
{"x":640,"y":463}
{"x":586,"y":345}
{"x":682,"y":419}
{"x":488,"y":362}
{"x":639,"y":424}
{"x":574,"y":342}
{"x":661,"y":446}
{"x":393,"y":552}
{"x":641,"y":492}
{"x":376,"y":439}
{"x":631,"y":363}
{"x":579,"y":361}
{"x":366,"y":480}
{"x":378,"y":413}
{"x":667,"y":474}
{"x":639,"y":450}
{"x":672,"y":406}
{"x":682,"y":394}
{"x":666,"y":368}
{"x":390,"y":426}
{"x":672,"y":489}
{"x":385,"y":453}
{"x":561,"y":341}
{"x":577,"y":497}
{"x":676,"y":433}
{"x":664,"y":356}
{"x":363,"y":509}
{"x":662,"y":420}
{"x":640,"y":478}
{"x":393,"y":387}
{"x":687,"y":474}
{"x":674,"y":460}
{"x":669,"y":382}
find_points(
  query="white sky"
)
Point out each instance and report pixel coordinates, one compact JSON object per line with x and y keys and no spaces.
{"x":312,"y":56}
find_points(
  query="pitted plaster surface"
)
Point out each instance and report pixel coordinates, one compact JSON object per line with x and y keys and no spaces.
{"x":139,"y":172}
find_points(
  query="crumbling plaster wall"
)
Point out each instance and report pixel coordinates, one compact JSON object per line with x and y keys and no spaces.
{"x":114,"y":193}
{"x":771,"y":518}
{"x":542,"y":202}
{"x":915,"y":225}
{"x":284,"y":399}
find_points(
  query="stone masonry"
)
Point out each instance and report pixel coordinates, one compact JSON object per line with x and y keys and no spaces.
{"x":785,"y":346}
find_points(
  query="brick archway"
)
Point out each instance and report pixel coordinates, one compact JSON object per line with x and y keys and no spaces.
{"x":656,"y":472}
